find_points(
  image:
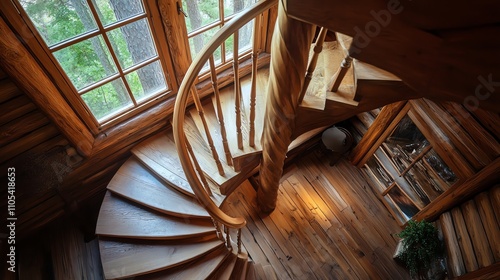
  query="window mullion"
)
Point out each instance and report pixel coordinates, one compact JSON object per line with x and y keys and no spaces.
{"x":73,"y":41}
{"x":221,"y":11}
{"x":111,"y":51}
{"x":98,"y":84}
{"x":93,"y":33}
{"x":140,"y":64}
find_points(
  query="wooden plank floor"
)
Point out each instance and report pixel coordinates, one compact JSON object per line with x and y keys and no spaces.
{"x":328,"y":224}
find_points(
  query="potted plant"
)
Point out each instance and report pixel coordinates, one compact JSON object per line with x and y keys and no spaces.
{"x":421,"y":250}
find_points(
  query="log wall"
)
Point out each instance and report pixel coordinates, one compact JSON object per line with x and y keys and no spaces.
{"x":41,"y":155}
{"x":471,"y":235}
{"x":52,"y":179}
{"x":467,"y":212}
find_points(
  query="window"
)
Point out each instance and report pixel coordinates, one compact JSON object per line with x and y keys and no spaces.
{"x":114,"y":59}
{"x":206,"y":17}
{"x":107,"y":51}
{"x":407,"y":171}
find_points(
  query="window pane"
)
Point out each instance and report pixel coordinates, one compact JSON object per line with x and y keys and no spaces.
{"x":404,"y":204}
{"x":86,"y":62}
{"x":407,"y":139}
{"x":58,"y":21}
{"x":424,"y":183}
{"x":111,"y":11}
{"x":197,"y":42}
{"x":234,"y":6}
{"x":244,"y":41}
{"x":147,"y":81}
{"x":440,"y":167}
{"x":229,"y":47}
{"x":132,"y":43}
{"x":107,"y":99}
{"x":398,"y":214}
{"x":200,"y":13}
{"x":380,"y":173}
{"x":245,"y":37}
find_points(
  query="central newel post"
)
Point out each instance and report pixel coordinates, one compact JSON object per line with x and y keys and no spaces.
{"x":289,"y":56}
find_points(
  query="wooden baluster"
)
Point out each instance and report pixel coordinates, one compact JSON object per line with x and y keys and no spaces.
{"x":228,"y":239}
{"x":218,"y":231}
{"x":318,"y":47}
{"x":239,"y":240}
{"x":237,"y":90}
{"x":339,"y":76}
{"x":199,"y":108}
{"x":253,"y":90}
{"x":220,"y":115}
{"x":198,"y":169}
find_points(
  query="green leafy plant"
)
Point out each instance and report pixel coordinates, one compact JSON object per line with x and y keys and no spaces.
{"x":421,"y":246}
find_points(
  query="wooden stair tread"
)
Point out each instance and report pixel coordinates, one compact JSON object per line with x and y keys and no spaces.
{"x":363,"y":75}
{"x":250,"y":274}
{"x":315,"y":96}
{"x":345,"y":94}
{"x":305,"y":137}
{"x":120,"y":218}
{"x":329,"y":61}
{"x":240,"y":269}
{"x":340,"y":99}
{"x":364,"y":71}
{"x":137,"y":184}
{"x":128,"y":259}
{"x":159,"y":154}
{"x":205,"y":158}
{"x":225,"y":270}
{"x":199,"y":269}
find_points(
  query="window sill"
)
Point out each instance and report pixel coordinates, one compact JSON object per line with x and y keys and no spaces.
{"x":135,"y":128}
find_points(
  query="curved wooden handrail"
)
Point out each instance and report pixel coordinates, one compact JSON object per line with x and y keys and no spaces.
{"x":180,"y":110}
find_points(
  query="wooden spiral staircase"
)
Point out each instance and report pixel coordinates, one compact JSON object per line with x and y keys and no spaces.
{"x":161,"y":217}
